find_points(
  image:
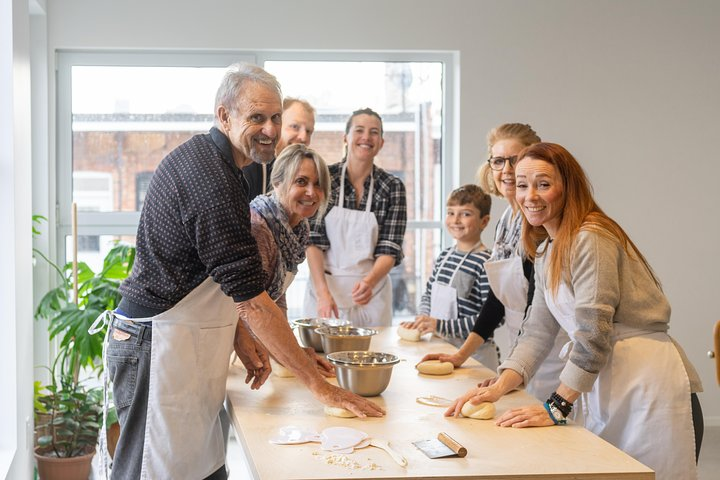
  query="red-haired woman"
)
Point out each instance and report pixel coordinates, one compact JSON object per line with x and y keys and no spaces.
{"x":593,"y":282}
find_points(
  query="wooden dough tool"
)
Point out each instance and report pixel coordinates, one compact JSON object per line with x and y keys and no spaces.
{"x":442,"y":446}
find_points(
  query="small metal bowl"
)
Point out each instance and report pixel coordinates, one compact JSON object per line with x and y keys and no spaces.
{"x":306,"y":330}
{"x":363,"y":373}
{"x":343,"y":338}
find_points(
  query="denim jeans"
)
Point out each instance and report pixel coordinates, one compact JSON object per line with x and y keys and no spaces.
{"x":128,"y":360}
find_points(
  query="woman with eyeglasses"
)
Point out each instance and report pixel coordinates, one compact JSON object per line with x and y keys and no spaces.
{"x":509,"y":272}
{"x":592,"y":281}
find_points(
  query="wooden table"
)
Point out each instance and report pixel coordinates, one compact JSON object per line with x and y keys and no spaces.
{"x":562,"y":452}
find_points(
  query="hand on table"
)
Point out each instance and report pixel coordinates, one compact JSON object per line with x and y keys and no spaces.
{"x":456,"y":359}
{"x":530,"y":416}
{"x":325,"y":368}
{"x":474,"y":396}
{"x":487,"y":382}
{"x":424,"y":323}
{"x":339,"y":397}
{"x":253,"y":355}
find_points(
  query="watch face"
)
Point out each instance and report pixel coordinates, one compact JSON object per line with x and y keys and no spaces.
{"x":556,"y":413}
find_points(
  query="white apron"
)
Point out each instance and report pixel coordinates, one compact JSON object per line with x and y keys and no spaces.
{"x":510,"y":286}
{"x":640,"y":402}
{"x":444,"y":305}
{"x":289,"y":277}
{"x":353,"y":235}
{"x":191,"y":347}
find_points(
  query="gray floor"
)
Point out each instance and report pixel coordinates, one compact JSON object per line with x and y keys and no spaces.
{"x":709,"y":464}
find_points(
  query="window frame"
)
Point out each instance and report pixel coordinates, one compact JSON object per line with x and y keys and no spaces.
{"x":108,"y":223}
{"x":125,"y":223}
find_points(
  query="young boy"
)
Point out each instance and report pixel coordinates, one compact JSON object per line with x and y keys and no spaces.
{"x":458,"y":286}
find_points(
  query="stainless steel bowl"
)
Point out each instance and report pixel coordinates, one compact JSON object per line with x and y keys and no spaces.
{"x":306,"y":330}
{"x":343,"y":338}
{"x":363,"y":373}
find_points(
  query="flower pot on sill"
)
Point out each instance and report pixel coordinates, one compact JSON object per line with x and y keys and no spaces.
{"x":71,"y":468}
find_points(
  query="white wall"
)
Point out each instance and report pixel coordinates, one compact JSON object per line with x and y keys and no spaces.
{"x":16,"y":324}
{"x":631,"y":88}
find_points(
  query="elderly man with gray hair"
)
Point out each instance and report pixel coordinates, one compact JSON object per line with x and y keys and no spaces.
{"x":298,"y":125}
{"x":197,"y":267}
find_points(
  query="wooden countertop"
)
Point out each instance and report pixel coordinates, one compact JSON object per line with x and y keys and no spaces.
{"x":562,"y":452}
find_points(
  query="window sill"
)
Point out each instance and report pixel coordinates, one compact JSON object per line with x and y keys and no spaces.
{"x":6,"y":457}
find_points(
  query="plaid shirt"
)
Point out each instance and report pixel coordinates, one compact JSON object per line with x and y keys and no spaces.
{"x":388,"y":204}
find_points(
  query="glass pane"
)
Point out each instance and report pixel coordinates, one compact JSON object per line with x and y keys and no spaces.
{"x":408,"y":95}
{"x":93,"y":248}
{"x":125,"y":120}
{"x":421,"y":247}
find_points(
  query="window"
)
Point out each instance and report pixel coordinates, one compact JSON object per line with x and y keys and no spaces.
{"x":119,"y":114}
{"x":142,"y":182}
{"x":408,"y":95}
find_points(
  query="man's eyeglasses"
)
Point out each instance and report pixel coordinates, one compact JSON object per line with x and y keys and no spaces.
{"x":498,"y":163}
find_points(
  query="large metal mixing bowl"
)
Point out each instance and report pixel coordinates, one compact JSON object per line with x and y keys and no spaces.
{"x":344,"y":338}
{"x":364,"y":373}
{"x":306,"y":330}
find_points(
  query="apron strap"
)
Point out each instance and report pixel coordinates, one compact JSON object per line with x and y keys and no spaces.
{"x":264,"y":178}
{"x":341,"y":197}
{"x":103,"y":320}
{"x":452,"y":277}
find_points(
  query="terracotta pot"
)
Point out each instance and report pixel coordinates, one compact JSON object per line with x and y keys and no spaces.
{"x":42,"y":419}
{"x":73,"y":468}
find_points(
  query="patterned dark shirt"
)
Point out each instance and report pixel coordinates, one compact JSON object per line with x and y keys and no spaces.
{"x":195,"y":223}
{"x":389,"y":204}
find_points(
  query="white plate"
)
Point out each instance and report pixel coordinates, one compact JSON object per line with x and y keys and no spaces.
{"x":341,"y":438}
{"x":292,"y":435}
{"x":362,"y":444}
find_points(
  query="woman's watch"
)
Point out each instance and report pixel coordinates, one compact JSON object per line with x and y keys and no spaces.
{"x":556,"y":413}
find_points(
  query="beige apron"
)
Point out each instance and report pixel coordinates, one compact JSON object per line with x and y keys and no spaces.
{"x":444,"y":305}
{"x":353,"y":235}
{"x":640,"y":402}
{"x":191,"y":347}
{"x":510,"y":286}
{"x":287,"y":281}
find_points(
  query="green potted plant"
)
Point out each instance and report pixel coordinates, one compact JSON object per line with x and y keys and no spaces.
{"x":69,"y":321}
{"x":68,"y":419}
{"x":72,"y":408}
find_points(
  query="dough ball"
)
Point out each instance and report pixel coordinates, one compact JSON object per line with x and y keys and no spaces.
{"x":280,"y":371}
{"x":435,"y":367}
{"x":338,"y":412}
{"x":409,"y":334}
{"x":481,"y":411}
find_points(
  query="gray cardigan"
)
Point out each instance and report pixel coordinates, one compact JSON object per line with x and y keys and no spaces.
{"x":609,"y":287}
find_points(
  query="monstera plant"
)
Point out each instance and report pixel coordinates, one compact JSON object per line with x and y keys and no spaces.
{"x":69,"y":414}
{"x":69,"y":321}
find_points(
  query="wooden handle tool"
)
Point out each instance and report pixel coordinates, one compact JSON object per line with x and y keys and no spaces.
{"x":452,"y":444}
